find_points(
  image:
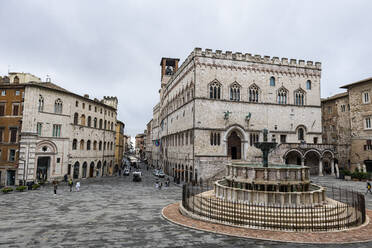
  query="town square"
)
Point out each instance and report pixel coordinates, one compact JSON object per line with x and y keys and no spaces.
{"x":185,"y":124}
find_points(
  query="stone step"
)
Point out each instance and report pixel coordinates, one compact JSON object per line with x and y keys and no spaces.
{"x":266,"y":222}
{"x":330,"y":211}
{"x":272,"y":217}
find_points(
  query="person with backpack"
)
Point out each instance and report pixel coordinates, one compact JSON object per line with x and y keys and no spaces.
{"x":70,"y":183}
{"x":368,"y":188}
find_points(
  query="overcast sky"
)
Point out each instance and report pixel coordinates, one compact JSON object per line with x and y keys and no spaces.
{"x":114,"y":47}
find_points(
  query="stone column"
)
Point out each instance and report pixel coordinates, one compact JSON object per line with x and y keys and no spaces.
{"x":245,"y":149}
{"x":302,"y":162}
{"x":332,"y":166}
{"x":337,"y":171}
{"x":320,"y":167}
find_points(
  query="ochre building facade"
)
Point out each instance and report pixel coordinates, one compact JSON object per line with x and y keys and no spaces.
{"x":347,"y":123}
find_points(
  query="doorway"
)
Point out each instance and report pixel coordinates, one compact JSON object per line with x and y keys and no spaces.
{"x":234,"y":146}
{"x":91,"y":170}
{"x":76,"y":170}
{"x":42,"y":172}
{"x":11,"y":178}
{"x":368,"y":164}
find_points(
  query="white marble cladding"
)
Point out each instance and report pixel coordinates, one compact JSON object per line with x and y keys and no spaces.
{"x":312,"y":197}
{"x":59,"y":149}
{"x":269,"y":174}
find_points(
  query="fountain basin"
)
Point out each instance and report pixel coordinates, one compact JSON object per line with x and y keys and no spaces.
{"x":314,"y":196}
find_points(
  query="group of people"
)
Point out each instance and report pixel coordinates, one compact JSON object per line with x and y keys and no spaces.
{"x":69,"y":182}
{"x":159,"y":185}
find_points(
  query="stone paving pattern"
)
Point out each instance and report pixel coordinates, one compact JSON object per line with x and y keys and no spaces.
{"x":113,"y":212}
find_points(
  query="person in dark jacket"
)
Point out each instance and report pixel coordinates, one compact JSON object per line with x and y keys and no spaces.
{"x":55,"y":186}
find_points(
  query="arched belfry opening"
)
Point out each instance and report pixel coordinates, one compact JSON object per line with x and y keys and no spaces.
{"x":234,"y":146}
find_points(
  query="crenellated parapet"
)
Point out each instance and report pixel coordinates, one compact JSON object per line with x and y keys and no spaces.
{"x":228,"y":55}
{"x":111,"y":101}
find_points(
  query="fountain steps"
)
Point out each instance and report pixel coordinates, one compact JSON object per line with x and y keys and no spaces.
{"x":269,"y":218}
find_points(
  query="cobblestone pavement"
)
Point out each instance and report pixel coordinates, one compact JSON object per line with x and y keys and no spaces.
{"x":112,"y":212}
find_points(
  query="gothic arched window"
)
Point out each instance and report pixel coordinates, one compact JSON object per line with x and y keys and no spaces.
{"x":58,"y":106}
{"x":215,"y":90}
{"x":88,"y":145}
{"x":100,"y":145}
{"x":95,"y":145}
{"x":272,"y":81}
{"x":16,"y":80}
{"x":82,"y":120}
{"x":89,"y":121}
{"x":300,"y":133}
{"x":76,"y":118}
{"x":74,"y":144}
{"x":308,"y":85}
{"x":282,"y":96}
{"x":82,"y":144}
{"x":41,"y":103}
{"x":95,"y":122}
{"x":253,"y":93}
{"x":100,"y":123}
{"x":235,"y":92}
{"x":299,"y":97}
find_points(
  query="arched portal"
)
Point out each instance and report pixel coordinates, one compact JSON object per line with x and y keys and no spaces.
{"x":293,"y":157}
{"x":91,"y":169}
{"x":98,"y":169}
{"x":76,"y":170}
{"x":234,"y":146}
{"x":85,"y":167}
{"x":312,"y":160}
{"x":104,"y":168}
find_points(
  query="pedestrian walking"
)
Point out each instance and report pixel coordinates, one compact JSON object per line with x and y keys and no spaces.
{"x":70,"y":183}
{"x":55,"y":186}
{"x":156,"y":185}
{"x":78,"y":186}
{"x":368,"y":188}
{"x":65,"y":177}
{"x":160,"y":185}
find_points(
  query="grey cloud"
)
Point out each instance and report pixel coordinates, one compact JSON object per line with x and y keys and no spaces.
{"x":114,"y":47}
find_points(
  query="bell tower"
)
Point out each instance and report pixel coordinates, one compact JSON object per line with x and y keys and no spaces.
{"x":168,"y":67}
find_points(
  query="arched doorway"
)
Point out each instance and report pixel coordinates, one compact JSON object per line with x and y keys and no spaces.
{"x":293,"y":157}
{"x":312,"y":160}
{"x":43,"y":165}
{"x":234,"y":146}
{"x":98,"y":169}
{"x":104,"y":168}
{"x":76,"y":170}
{"x":91,"y":169}
{"x":327,"y":157}
{"x":85,"y":167}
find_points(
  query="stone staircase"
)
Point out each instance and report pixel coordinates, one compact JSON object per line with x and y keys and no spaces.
{"x":316,"y":218}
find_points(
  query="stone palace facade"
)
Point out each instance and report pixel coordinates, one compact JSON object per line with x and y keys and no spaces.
{"x":214,"y":106}
{"x":65,"y":133}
